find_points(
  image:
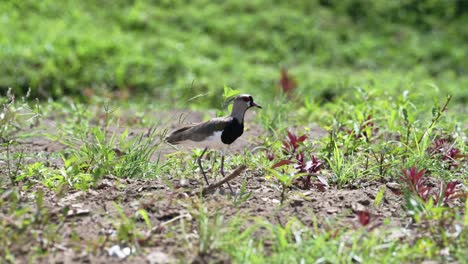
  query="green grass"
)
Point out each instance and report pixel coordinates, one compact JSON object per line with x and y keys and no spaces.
{"x":352,"y":151}
{"x":385,"y":80}
{"x":179,"y":50}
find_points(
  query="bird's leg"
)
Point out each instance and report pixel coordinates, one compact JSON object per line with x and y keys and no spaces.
{"x":222,"y":170}
{"x":200,"y":165}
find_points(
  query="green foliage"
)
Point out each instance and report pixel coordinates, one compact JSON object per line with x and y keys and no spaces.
{"x":15,"y":115}
{"x":285,"y":179}
{"x":210,"y":231}
{"x":92,"y":152}
{"x":466,"y":213}
{"x":99,"y":152}
{"x":32,"y":227}
{"x":295,"y":243}
{"x":183,"y":49}
{"x":126,"y":227}
{"x":375,"y":74}
{"x":342,"y":166}
{"x":379,"y":197}
{"x":243,"y":194}
{"x":371,"y":135}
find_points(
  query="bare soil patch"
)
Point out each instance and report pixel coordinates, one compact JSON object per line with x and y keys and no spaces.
{"x":92,"y":215}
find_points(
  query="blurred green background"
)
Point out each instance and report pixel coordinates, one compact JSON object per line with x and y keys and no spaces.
{"x":179,"y":49}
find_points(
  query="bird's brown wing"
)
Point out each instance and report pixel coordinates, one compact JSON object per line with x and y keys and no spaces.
{"x":198,"y":132}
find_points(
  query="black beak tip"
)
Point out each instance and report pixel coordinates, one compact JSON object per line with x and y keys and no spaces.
{"x":252,"y":104}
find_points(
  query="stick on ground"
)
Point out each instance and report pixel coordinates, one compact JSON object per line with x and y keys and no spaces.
{"x":228,"y":178}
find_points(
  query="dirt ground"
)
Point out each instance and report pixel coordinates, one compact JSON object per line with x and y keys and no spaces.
{"x":93,"y":213}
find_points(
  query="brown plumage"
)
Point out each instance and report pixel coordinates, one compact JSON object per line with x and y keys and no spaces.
{"x":198,"y":132}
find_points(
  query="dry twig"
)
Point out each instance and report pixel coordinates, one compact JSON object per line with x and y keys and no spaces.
{"x":224,"y":180}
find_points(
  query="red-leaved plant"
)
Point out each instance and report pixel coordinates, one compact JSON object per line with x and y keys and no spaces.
{"x":449,"y":193}
{"x":441,"y":196}
{"x":291,"y":143}
{"x":365,"y":219}
{"x":310,"y":167}
{"x":415,"y":182}
{"x":286,"y":82}
{"x":297,"y":157}
{"x":446,"y":151}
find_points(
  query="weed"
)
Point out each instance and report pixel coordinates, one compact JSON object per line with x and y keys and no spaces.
{"x":27,"y":227}
{"x":243,"y":195}
{"x":436,"y":114}
{"x":296,"y":157}
{"x":96,"y":153}
{"x":446,"y":152}
{"x":292,"y":142}
{"x":137,"y":153}
{"x":342,"y":166}
{"x":366,"y":220}
{"x":441,"y":195}
{"x":449,"y":193}
{"x":415,"y":181}
{"x":286,"y":82}
{"x":286,"y":179}
{"x":13,"y":170}
{"x":14,"y":116}
{"x":209,"y":231}
{"x":379,"y":197}
{"x":363,"y":217}
{"x":126,"y":229}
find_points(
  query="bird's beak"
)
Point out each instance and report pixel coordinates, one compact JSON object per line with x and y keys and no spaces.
{"x":252,"y":104}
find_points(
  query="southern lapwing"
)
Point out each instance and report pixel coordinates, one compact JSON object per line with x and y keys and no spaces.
{"x":217,"y":133}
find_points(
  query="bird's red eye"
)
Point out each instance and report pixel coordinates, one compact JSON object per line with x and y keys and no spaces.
{"x":246,"y":99}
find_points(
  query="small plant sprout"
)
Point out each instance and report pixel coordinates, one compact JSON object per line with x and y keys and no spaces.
{"x":243,"y":195}
{"x":286,"y":179}
{"x":379,"y":197}
{"x":436,"y":114}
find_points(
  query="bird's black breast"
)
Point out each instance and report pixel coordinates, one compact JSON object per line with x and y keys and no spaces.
{"x":232,"y":131}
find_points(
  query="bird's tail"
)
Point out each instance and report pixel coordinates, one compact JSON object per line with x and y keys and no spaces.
{"x":177,"y":136}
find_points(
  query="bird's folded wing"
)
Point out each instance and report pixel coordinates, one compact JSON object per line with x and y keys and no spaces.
{"x":198,"y":132}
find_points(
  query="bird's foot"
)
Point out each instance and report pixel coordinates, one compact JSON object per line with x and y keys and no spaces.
{"x":203,"y":171}
{"x":229,"y":185}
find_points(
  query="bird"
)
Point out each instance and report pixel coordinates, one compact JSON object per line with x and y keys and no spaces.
{"x":217,"y":133}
